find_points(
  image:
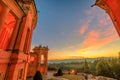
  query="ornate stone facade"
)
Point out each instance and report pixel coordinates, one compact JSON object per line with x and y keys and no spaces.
{"x":39,"y":60}
{"x":112,"y":7}
{"x":17,"y":21}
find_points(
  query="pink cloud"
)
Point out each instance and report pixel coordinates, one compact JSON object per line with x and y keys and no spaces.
{"x":83,"y":28}
{"x":94,"y":37}
{"x":86,"y":22}
{"x":104,"y":33}
{"x":104,"y":21}
{"x":91,"y":38}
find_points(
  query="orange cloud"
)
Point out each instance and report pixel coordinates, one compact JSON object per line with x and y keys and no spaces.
{"x":75,"y":57}
{"x":103,"y":22}
{"x":86,"y":24}
{"x":104,"y":32}
{"x":94,"y":37}
{"x":83,"y":28}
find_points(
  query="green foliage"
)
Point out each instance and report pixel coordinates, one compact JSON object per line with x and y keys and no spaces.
{"x":37,"y":76}
{"x":93,"y":67}
{"x":116,"y":70}
{"x":52,"y":68}
{"x":104,"y":69}
{"x":86,"y":67}
{"x":60,"y":73}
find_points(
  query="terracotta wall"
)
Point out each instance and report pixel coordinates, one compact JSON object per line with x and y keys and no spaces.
{"x":32,"y":67}
{"x":16,"y":28}
{"x":114,"y":6}
{"x":4,"y":60}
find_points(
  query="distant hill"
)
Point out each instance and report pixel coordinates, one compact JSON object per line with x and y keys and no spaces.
{"x":78,"y":60}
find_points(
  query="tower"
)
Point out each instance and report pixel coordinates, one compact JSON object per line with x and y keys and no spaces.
{"x":43,"y":63}
{"x":40,"y":55}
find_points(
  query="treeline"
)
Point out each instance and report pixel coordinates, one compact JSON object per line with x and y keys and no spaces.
{"x":100,"y":67}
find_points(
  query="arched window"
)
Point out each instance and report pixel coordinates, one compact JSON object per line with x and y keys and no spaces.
{"x":42,"y":59}
{"x":7,"y":30}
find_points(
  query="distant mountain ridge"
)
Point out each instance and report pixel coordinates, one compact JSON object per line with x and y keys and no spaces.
{"x":79,"y":60}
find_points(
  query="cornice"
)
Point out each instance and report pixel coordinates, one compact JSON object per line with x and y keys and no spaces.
{"x":102,"y":5}
{"x":34,"y":12}
{"x":14,"y":7}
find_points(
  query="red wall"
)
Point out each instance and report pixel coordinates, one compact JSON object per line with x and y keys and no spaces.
{"x":4,"y":60}
{"x":114,"y":6}
{"x":32,"y":68}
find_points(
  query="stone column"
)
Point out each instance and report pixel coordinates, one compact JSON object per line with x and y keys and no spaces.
{"x":45,"y":62}
{"x":27,"y":38}
{"x":29,"y":42}
{"x":3,"y":15}
{"x":26,"y":67}
{"x":2,"y":38}
{"x":38,"y":60}
{"x":19,"y":46}
{"x":30,"y":36}
{"x":14,"y":35}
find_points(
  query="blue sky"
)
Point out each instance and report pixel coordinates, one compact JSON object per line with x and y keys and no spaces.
{"x":72,"y":28}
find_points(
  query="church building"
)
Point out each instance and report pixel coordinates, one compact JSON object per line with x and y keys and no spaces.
{"x":18,"y":19}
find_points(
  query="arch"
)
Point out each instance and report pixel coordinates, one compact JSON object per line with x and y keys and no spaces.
{"x":42,"y":59}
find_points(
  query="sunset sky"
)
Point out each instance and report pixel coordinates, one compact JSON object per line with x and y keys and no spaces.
{"x":73,"y":29}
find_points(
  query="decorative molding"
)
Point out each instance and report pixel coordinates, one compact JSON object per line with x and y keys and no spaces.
{"x":35,"y":15}
{"x":102,"y":5}
{"x":14,"y":7}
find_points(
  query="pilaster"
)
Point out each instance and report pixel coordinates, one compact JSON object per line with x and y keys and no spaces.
{"x":14,"y":35}
{"x":3,"y":15}
{"x":21,"y":36}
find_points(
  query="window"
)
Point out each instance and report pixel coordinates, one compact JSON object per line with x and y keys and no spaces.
{"x":42,"y":59}
{"x":7,"y":30}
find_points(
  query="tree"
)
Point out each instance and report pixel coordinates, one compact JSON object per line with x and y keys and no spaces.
{"x":59,"y":72}
{"x":116,"y":70}
{"x":37,"y":76}
{"x":86,"y":67}
{"x":93,"y":67}
{"x":104,"y":69}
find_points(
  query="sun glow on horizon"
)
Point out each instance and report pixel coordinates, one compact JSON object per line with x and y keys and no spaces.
{"x":78,"y":31}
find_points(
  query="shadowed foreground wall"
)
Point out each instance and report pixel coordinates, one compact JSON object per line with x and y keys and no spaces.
{"x":17,"y":21}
